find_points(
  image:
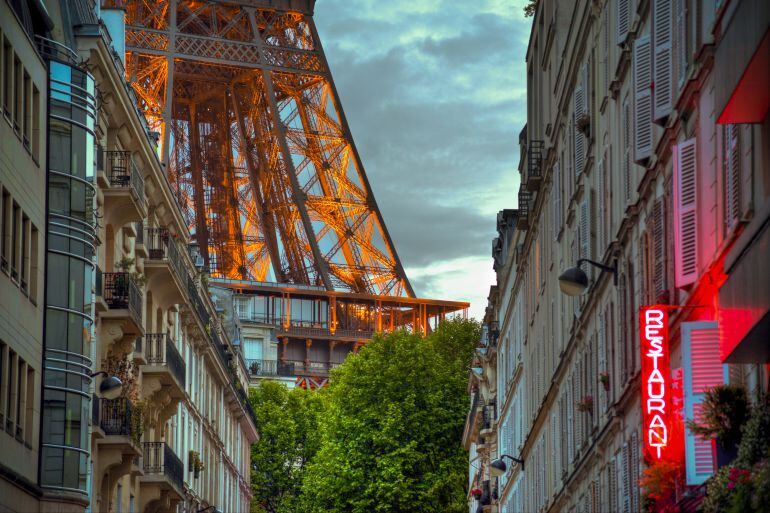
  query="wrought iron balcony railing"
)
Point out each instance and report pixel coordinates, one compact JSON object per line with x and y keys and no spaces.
{"x":122,"y":172}
{"x":299,"y":368}
{"x":161,"y":246}
{"x":534,"y":164}
{"x":159,"y":459}
{"x":525,"y":198}
{"x":262,"y":367}
{"x":120,"y":290}
{"x":113,"y":416}
{"x":159,"y":349}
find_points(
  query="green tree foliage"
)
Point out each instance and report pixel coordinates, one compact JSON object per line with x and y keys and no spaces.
{"x":287,"y":421}
{"x":392,"y":428}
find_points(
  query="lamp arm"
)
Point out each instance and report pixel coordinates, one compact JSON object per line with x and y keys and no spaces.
{"x":97,"y":373}
{"x":606,"y":268}
{"x":516,"y":460}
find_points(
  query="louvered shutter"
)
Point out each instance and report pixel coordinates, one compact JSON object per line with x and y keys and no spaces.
{"x":685,"y":213}
{"x":606,"y":49}
{"x":557,"y":186}
{"x":642,"y":99}
{"x":579,"y":108}
{"x":634,"y":462}
{"x":601,"y":237}
{"x":732,"y":176}
{"x":659,"y":246}
{"x":663,"y":35}
{"x":702,"y":370}
{"x":623,"y":11}
{"x":585,"y":228}
{"x":626,"y":158}
{"x":626,"y":485}
{"x":612,"y":477}
{"x":571,"y":418}
{"x":681,"y":41}
{"x":603,"y":359}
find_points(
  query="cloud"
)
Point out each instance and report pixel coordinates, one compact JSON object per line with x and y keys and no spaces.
{"x":433,"y":93}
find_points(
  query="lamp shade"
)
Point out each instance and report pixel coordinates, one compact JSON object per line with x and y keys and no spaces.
{"x":110,"y":387}
{"x":573,"y":281}
{"x":497,"y":468}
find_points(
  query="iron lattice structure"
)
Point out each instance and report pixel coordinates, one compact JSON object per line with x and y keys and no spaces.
{"x":256,"y":143}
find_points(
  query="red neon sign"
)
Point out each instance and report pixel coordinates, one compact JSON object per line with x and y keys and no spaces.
{"x":656,"y":382}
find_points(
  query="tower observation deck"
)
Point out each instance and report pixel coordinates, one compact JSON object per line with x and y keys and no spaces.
{"x":261,"y":159}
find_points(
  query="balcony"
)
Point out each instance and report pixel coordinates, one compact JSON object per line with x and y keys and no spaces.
{"x":113,"y":426}
{"x":164,"y":266}
{"x":140,"y":249}
{"x":164,"y":363}
{"x":262,"y":367}
{"x":123,"y":298}
{"x":123,"y":187}
{"x":534,"y":164}
{"x":291,"y":368}
{"x":525,"y":199}
{"x":163,"y":476}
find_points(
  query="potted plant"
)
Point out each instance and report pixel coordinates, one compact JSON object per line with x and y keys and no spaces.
{"x":659,"y":483}
{"x":583,"y":124}
{"x":198,"y":467}
{"x":254,"y":367}
{"x":604,"y":379}
{"x":476,"y":493}
{"x":586,"y":405}
{"x":725,"y":408}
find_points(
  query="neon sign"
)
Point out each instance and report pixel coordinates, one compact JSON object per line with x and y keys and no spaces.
{"x":656,"y":382}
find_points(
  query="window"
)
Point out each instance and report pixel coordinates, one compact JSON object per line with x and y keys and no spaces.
{"x":34,"y":241}
{"x":24,"y":261}
{"x":15,"y":232}
{"x":3,"y":380}
{"x":17,"y":94}
{"x":11,"y":392}
{"x":5,"y":209}
{"x":119,"y":499}
{"x":30,"y":405}
{"x":8,"y":78}
{"x":35,"y":123}
{"x":26,"y":106}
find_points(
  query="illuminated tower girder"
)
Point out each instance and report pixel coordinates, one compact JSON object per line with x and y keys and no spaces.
{"x":256,"y":143}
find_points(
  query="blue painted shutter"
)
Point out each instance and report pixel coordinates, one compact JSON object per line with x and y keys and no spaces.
{"x":702,"y":370}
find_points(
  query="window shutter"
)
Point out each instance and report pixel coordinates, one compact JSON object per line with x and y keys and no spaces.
{"x":623,"y":11}
{"x":732,"y":176}
{"x":601,"y":237}
{"x":685,"y":211}
{"x":579,"y":108}
{"x":612,"y":477}
{"x":606,"y":49}
{"x":662,"y":19}
{"x":602,"y":342}
{"x":626,"y":162}
{"x":634,"y":471}
{"x":659,"y":246}
{"x":571,"y":418}
{"x":557,"y":218}
{"x":585,"y":228}
{"x":681,"y":41}
{"x":703,"y":369}
{"x":626,"y":499}
{"x":642,"y":99}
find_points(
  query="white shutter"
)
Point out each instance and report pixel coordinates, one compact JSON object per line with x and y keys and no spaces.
{"x":642,"y":99}
{"x":625,"y":115}
{"x":623,"y":11}
{"x":601,"y":237}
{"x":634,"y":462}
{"x":612,"y":478}
{"x":602,"y":336}
{"x":626,"y":480}
{"x":663,"y":34}
{"x":579,"y":108}
{"x":659,"y":246}
{"x":558,"y":221}
{"x":732,"y":176}
{"x":685,"y":213}
{"x":703,"y":369}
{"x":584,"y":231}
{"x":681,"y":41}
{"x":606,"y":49}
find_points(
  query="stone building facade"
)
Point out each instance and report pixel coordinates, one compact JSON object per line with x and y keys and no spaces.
{"x":645,"y":151}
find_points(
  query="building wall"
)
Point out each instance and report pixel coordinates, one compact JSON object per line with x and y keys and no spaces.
{"x":22,"y":219}
{"x":610,"y":195}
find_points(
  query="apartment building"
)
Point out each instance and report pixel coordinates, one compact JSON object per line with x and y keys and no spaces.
{"x":23,"y":84}
{"x":644,"y":162}
{"x":123,"y":294}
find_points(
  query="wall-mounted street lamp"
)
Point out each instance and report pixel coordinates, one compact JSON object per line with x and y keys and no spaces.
{"x":574,"y":281}
{"x":498,"y":467}
{"x":212,"y":509}
{"x":110,"y":387}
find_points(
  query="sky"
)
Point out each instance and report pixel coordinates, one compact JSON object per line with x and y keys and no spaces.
{"x":435,"y":95}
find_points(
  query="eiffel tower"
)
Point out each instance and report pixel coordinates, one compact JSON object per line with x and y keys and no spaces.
{"x":256,"y":144}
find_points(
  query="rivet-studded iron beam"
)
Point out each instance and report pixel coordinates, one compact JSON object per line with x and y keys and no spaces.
{"x":256,"y":143}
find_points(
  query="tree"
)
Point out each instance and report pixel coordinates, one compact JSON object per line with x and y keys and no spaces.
{"x":392,"y":427}
{"x":287,"y":421}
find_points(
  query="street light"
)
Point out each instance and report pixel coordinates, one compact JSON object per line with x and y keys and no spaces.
{"x":110,"y":387}
{"x":498,"y":467}
{"x":213,"y":509}
{"x":574,"y":281}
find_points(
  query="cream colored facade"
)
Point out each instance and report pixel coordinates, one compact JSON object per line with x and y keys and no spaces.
{"x":22,"y":221}
{"x":622,"y":111}
{"x":190,"y":380}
